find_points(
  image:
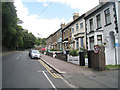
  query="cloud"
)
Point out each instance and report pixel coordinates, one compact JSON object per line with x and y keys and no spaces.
{"x":34,"y":23}
{"x":45,"y":4}
{"x":82,"y":5}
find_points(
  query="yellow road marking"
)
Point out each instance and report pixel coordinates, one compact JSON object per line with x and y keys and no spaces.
{"x":57,"y":75}
{"x":53,"y":74}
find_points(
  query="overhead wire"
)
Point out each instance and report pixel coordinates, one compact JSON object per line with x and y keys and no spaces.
{"x":45,"y":8}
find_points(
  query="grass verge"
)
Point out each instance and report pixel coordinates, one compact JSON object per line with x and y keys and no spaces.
{"x":108,"y":67}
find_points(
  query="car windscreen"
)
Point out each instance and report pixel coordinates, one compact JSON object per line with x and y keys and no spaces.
{"x":35,"y":51}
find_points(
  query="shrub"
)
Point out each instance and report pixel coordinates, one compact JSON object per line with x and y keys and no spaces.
{"x":54,"y":50}
{"x":74,"y":52}
{"x":83,"y":49}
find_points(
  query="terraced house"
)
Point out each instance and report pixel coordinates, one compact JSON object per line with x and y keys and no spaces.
{"x":102,"y":28}
{"x":54,"y":41}
{"x":99,"y":26}
{"x":74,"y":36}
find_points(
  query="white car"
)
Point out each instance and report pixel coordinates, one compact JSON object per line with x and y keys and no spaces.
{"x":34,"y":54}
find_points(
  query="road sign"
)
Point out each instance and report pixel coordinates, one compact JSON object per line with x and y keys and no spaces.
{"x":96,"y":49}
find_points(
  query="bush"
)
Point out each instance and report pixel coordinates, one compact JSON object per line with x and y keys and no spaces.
{"x":54,"y":50}
{"x":83,"y":49}
{"x":74,"y":52}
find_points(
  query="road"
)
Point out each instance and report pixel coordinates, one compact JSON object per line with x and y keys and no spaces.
{"x":19,"y":71}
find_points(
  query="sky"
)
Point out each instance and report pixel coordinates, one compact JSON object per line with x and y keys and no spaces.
{"x":43,"y":17}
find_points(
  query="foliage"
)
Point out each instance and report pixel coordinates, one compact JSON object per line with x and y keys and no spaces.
{"x":13,"y":35}
{"x":54,"y":50}
{"x":74,"y":52}
{"x":29,"y":40}
{"x":108,"y":67}
{"x":40,"y":41}
{"x":83,"y":49}
{"x":11,"y":32}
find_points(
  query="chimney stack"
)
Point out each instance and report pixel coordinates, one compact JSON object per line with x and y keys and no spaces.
{"x":62,"y":25}
{"x":101,"y":2}
{"x":75,"y":16}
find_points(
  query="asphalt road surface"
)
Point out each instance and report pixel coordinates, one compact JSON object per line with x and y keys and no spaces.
{"x":19,"y":71}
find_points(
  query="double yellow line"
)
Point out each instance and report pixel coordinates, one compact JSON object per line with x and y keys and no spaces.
{"x":53,"y":74}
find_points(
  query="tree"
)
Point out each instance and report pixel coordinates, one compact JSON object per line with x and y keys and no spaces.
{"x":9,"y":25}
{"x":29,"y":40}
{"x":13,"y":35}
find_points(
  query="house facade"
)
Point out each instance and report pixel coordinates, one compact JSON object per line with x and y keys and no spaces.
{"x":74,"y":36}
{"x":48,"y":42}
{"x":66,"y":37}
{"x":101,"y":29}
{"x":78,"y":33}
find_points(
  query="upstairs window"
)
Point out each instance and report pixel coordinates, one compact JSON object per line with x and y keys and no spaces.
{"x":64,"y":35}
{"x":91,"y":24}
{"x":81,"y":25}
{"x":99,"y":39}
{"x":77,"y":43}
{"x":91,"y":42}
{"x":72,"y":30}
{"x":77,"y":26}
{"x":107,"y":16}
{"x":98,"y":21}
{"x":81,"y":42}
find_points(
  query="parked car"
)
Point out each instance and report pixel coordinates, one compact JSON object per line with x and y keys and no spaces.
{"x":34,"y":53}
{"x":42,"y":50}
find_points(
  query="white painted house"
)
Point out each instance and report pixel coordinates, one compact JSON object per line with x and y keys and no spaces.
{"x":78,"y":32}
{"x":101,"y":29}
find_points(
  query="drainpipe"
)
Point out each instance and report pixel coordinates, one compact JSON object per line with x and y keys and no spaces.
{"x":117,"y":43}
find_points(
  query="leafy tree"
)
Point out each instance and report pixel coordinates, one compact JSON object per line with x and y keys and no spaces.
{"x":29,"y":40}
{"x":9,"y":26}
{"x":13,"y":35}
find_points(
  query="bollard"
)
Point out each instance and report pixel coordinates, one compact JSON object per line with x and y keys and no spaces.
{"x":67,"y":52}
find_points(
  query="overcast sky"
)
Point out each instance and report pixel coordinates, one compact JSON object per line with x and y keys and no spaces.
{"x":45,"y":16}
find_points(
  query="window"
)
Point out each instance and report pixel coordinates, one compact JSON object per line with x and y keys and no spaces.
{"x":72,"y":30}
{"x":91,"y":24}
{"x":77,"y":43}
{"x":64,"y":35}
{"x":99,"y":39}
{"x":81,"y":25}
{"x":107,"y":16}
{"x":81,"y":42}
{"x":91,"y":42}
{"x":77,"y":26}
{"x":98,"y":21}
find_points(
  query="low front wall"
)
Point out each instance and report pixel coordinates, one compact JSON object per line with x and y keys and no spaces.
{"x":59,"y":55}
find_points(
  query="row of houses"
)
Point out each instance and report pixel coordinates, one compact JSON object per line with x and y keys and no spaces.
{"x":99,"y":26}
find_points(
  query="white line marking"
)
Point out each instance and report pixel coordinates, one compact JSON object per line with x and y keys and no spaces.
{"x":49,"y":80}
{"x":17,"y":58}
{"x":41,"y":71}
{"x":72,"y":86}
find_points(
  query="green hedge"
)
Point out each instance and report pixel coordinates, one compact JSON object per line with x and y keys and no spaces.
{"x":74,"y":52}
{"x":54,"y":50}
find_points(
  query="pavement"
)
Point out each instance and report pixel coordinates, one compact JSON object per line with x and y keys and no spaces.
{"x":65,"y":67}
{"x":82,"y":76}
